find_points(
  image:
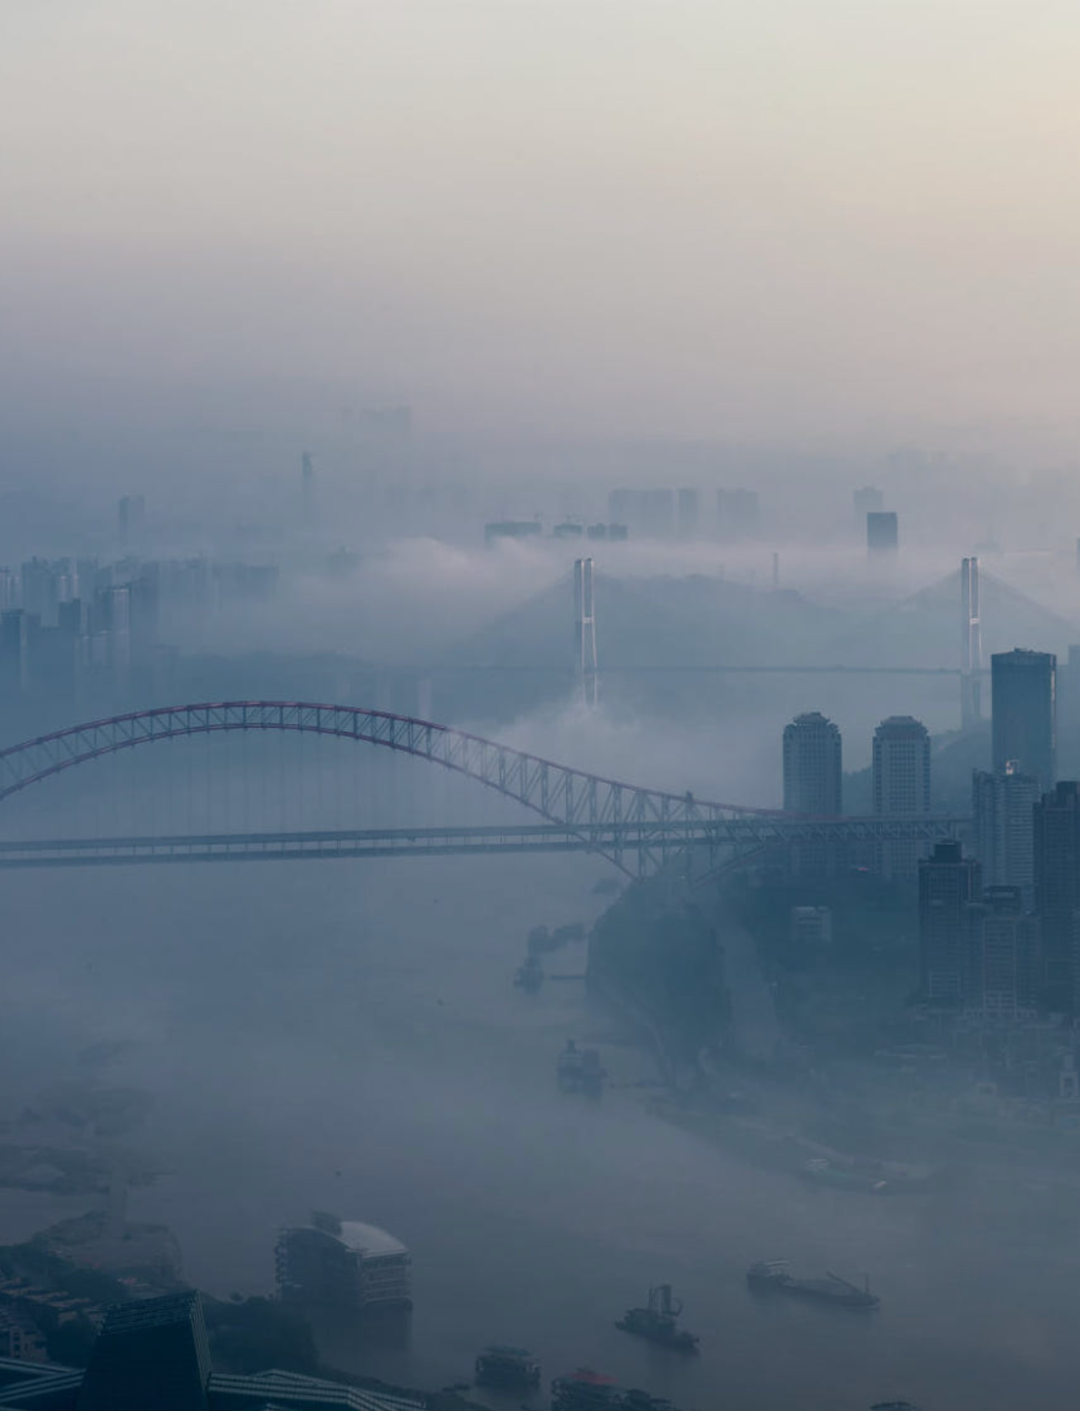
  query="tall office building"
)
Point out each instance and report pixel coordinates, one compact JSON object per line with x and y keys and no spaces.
{"x":882,"y":531}
{"x":1003,"y":807}
{"x":1002,"y":953}
{"x":1024,"y":706}
{"x":901,"y":786}
{"x":948,"y":884}
{"x":150,"y":1352}
{"x":738,"y":514}
{"x":1057,"y":892}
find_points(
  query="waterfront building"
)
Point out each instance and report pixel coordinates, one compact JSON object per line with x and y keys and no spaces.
{"x":1024,"y":706}
{"x":343,"y":1264}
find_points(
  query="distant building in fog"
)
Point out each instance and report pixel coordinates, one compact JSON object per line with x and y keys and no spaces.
{"x":1000,"y":974}
{"x":307,"y":487}
{"x":1067,"y":710}
{"x":813,"y":769}
{"x":1003,"y":807}
{"x":1057,"y":892}
{"x":613,"y":533}
{"x":131,"y":514}
{"x":948,"y":884}
{"x":650,"y":514}
{"x":1024,"y":713}
{"x":901,"y":786}
{"x":511,"y":529}
{"x":18,"y":635}
{"x":866,"y":501}
{"x":686,"y":510}
{"x":882,"y":531}
{"x":813,"y":776}
{"x":738,"y":515}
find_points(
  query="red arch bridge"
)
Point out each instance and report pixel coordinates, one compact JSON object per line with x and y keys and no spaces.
{"x":639,"y":830}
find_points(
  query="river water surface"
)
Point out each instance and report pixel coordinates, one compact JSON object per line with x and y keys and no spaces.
{"x":345,"y":1036}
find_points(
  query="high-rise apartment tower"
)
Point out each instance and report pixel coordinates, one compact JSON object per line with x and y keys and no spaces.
{"x":901,"y":786}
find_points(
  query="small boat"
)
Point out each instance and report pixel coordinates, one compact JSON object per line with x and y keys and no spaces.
{"x":773,"y":1276}
{"x":826,"y":1173}
{"x":502,"y":1366}
{"x":586,"y":1390}
{"x":657,"y":1323}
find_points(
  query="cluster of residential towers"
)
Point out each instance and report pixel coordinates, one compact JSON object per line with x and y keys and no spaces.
{"x":999,"y":926}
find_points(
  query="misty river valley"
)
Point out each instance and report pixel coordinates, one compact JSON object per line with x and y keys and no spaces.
{"x":346,"y":1036}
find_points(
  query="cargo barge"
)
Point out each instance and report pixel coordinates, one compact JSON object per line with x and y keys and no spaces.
{"x":773,"y":1276}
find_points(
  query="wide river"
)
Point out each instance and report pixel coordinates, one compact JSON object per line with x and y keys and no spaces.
{"x":346,"y":1036}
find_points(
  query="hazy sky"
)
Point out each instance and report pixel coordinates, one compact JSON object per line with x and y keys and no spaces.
{"x":836,"y":218}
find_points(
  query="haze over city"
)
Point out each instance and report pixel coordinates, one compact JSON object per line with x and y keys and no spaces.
{"x":539,"y":705}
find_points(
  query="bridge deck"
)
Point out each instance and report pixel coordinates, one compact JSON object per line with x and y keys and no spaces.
{"x":605,"y":839}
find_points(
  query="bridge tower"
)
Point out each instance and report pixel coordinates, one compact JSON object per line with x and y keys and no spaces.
{"x":971,"y":645}
{"x":585,"y":621}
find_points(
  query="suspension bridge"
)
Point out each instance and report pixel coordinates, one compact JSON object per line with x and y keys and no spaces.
{"x":639,"y":830}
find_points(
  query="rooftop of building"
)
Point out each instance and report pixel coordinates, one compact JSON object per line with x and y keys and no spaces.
{"x":1025,"y":656}
{"x":369,"y":1239}
{"x":35,"y":1390}
{"x":902,"y":724}
{"x":813,"y":717}
{"x":142,"y":1313}
{"x":13,"y":1370}
{"x":292,"y":1390}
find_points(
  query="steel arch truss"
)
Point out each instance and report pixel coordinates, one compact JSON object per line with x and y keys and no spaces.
{"x":603,"y":815}
{"x":577,"y":801}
